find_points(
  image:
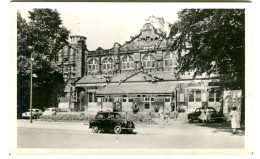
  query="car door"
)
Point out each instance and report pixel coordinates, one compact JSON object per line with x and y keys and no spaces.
{"x":100,"y":121}
{"x":108,"y":121}
{"x":196,"y":114}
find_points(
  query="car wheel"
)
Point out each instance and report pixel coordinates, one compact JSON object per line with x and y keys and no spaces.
{"x":190,"y":120}
{"x":95,"y":129}
{"x":34,"y":117}
{"x":117,"y":129}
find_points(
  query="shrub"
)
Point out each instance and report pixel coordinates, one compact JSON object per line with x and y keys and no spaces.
{"x":67,"y":118}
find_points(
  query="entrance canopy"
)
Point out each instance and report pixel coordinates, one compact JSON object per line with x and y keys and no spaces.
{"x":138,"y":88}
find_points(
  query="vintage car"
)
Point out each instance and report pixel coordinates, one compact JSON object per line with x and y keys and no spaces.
{"x":36,"y":113}
{"x":50,"y":111}
{"x":110,"y":121}
{"x":215,"y":116}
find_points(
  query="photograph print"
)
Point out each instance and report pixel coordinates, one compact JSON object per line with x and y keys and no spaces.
{"x":131,"y":76}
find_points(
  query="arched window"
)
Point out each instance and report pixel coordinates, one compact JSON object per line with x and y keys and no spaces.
{"x":170,"y":60}
{"x":107,"y":63}
{"x":127,"y":62}
{"x":93,"y":65}
{"x":148,"y":61}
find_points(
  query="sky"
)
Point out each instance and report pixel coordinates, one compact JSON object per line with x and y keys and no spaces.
{"x":105,"y":24}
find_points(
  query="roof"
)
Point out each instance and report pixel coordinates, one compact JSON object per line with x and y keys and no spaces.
{"x":138,"y":88}
{"x":136,"y":77}
{"x":92,"y":79}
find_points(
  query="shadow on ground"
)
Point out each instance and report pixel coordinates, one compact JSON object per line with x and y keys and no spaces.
{"x":222,"y":127}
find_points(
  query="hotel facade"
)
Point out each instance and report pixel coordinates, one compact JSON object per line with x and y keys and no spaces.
{"x":139,"y":72}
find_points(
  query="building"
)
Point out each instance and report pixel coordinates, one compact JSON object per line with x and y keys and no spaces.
{"x":139,"y":72}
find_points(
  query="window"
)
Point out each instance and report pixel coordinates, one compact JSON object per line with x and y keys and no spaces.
{"x":170,"y":60}
{"x":107,"y":64}
{"x":198,"y":96}
{"x":138,"y":95}
{"x":146,"y":106}
{"x":217,"y":96}
{"x":147,"y":99}
{"x":211,"y":96}
{"x":127,"y":62}
{"x":148,"y":61}
{"x":95,"y":98}
{"x":124,"y":100}
{"x":130,"y":100}
{"x":92,"y":97}
{"x":167,"y":99}
{"x":191,"y":96}
{"x":93,"y":65}
{"x":104,"y":100}
{"x":110,"y":99}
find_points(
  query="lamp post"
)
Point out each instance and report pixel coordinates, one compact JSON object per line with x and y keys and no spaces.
{"x":31,"y":83}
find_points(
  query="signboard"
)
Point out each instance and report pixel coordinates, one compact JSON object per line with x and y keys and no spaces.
{"x":231,"y":99}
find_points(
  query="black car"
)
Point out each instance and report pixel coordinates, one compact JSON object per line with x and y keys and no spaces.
{"x":110,"y":121}
{"x":215,"y":116}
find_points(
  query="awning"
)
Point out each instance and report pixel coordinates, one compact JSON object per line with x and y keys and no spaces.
{"x":138,"y":88}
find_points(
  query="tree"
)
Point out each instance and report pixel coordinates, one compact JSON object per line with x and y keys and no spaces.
{"x":212,"y":41}
{"x":42,"y":36}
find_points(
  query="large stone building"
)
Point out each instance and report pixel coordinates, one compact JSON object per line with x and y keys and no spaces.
{"x":139,"y":72}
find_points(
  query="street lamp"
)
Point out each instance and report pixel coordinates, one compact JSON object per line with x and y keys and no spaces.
{"x":31,"y":48}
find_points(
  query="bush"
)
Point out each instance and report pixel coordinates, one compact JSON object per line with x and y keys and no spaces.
{"x":67,"y":118}
{"x":136,"y":118}
{"x":139,"y":118}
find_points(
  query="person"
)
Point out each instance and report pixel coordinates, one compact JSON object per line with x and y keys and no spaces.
{"x":203,"y":116}
{"x":235,"y":119}
{"x":167,"y":115}
{"x":161,"y":115}
{"x":208,"y":115}
{"x":175,"y":114}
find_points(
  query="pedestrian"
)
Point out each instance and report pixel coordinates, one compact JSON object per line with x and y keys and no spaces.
{"x":167,"y":115}
{"x":235,"y":119}
{"x":161,"y":115}
{"x":208,"y":115}
{"x":203,"y":116}
{"x":175,"y":114}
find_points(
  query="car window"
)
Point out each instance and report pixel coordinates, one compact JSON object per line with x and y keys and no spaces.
{"x":117,"y":116}
{"x":100,"y":116}
{"x":53,"y":110}
{"x":47,"y":109}
{"x":110,"y":116}
{"x":36,"y":110}
{"x":198,"y":110}
{"x":211,"y":110}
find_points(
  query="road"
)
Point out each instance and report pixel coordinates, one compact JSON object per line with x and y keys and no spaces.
{"x":177,"y":135}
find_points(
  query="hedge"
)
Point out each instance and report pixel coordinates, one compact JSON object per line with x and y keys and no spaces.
{"x":136,"y":118}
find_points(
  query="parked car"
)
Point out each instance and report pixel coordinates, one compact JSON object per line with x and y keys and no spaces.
{"x":181,"y":110}
{"x":36,"y":113}
{"x":215,"y":116}
{"x":50,"y":111}
{"x":110,"y":121}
